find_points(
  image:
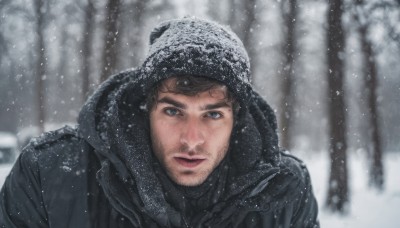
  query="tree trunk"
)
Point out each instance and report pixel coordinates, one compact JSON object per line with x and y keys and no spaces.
{"x":248,"y":32}
{"x":110,"y":51}
{"x":214,"y":10}
{"x":243,"y":23}
{"x":338,"y":192}
{"x":40,"y":64}
{"x":59,"y":86}
{"x":289,"y":15}
{"x":233,"y":15}
{"x":3,"y":48}
{"x":139,"y":9}
{"x":87,"y":47}
{"x":371,"y":83}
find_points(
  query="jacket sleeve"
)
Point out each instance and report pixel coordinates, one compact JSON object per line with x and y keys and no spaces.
{"x":293,"y":203}
{"x":306,"y":209}
{"x":21,"y":203}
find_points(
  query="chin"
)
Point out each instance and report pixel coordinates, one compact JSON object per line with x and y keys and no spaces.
{"x":189,"y":182}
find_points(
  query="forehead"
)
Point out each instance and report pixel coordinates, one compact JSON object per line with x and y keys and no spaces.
{"x":207,"y":100}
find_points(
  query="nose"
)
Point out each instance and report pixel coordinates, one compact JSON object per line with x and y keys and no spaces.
{"x":192,"y":135}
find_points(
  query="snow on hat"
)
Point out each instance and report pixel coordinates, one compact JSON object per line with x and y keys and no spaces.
{"x":192,"y":46}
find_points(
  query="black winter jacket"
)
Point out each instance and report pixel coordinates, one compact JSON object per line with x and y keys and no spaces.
{"x":102,"y":173}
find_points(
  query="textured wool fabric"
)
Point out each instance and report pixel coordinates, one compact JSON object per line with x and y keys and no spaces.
{"x":198,"y":47}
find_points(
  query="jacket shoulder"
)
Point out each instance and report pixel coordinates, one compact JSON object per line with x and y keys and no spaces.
{"x":53,"y":137}
{"x":50,"y":171}
{"x":295,"y":165}
{"x":305,"y":211}
{"x":60,"y":148}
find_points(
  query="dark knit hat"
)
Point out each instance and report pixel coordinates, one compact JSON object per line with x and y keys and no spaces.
{"x":192,"y":46}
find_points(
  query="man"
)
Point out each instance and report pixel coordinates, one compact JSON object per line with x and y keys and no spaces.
{"x":182,"y":141}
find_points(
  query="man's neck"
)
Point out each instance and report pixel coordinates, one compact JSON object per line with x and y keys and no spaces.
{"x":205,"y":194}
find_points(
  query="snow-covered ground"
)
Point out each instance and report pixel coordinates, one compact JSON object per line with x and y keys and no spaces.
{"x":368,"y":209}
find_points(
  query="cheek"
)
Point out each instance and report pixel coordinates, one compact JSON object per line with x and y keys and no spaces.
{"x":162,"y":135}
{"x":219,"y":138}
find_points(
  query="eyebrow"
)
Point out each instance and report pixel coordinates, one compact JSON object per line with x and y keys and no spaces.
{"x":222,"y":104}
{"x":168,"y":100}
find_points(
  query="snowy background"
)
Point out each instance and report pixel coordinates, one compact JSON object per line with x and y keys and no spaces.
{"x":71,"y":51}
{"x":368,"y":209}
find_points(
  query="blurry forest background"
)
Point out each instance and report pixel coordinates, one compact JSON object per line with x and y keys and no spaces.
{"x":330,"y":69}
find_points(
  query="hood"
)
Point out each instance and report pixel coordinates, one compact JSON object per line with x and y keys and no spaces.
{"x":114,"y":120}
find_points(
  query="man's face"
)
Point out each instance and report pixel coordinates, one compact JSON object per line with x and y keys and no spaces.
{"x":190,"y":134}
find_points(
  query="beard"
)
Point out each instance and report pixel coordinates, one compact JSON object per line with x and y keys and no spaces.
{"x":187,"y":177}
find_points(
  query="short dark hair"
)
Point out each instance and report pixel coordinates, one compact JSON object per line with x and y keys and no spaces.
{"x":189,"y":85}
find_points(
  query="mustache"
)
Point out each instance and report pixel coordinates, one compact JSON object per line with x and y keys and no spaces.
{"x":191,"y":151}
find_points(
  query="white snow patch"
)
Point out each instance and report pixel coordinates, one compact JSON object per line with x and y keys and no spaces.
{"x":4,"y":171}
{"x":368,"y":208}
{"x":8,"y":140}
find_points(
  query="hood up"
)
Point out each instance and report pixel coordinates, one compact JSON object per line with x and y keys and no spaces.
{"x":114,"y":120}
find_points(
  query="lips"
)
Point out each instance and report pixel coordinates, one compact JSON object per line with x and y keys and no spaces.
{"x":189,"y":162}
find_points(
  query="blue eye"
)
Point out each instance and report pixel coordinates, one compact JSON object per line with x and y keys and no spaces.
{"x":171,"y":111}
{"x":214,"y":115}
